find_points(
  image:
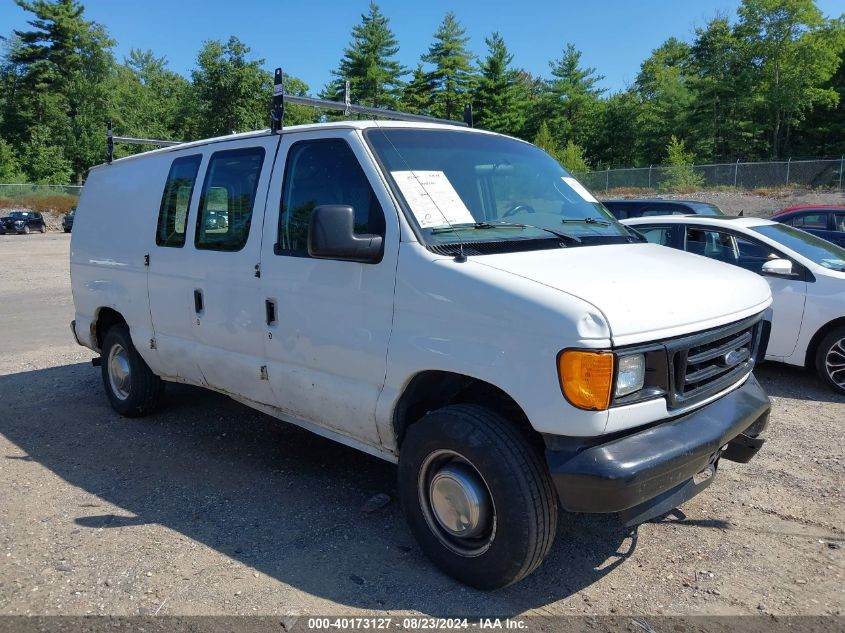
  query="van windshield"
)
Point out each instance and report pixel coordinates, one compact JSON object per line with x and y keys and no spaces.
{"x":464,"y":187}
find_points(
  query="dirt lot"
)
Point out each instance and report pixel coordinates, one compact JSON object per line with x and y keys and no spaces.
{"x":211,"y":508}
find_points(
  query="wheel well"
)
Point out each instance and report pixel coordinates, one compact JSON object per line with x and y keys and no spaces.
{"x":812,"y":348}
{"x":106,"y":318}
{"x":432,"y":390}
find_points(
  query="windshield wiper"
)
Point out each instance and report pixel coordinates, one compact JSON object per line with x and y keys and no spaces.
{"x":503,"y":225}
{"x":589,"y":220}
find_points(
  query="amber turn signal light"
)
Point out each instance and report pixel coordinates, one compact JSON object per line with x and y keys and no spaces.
{"x":586,"y":378}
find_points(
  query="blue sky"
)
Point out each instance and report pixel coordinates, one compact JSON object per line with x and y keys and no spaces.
{"x":307,"y":37}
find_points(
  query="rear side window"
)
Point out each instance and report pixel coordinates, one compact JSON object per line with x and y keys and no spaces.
{"x":839,"y":222}
{"x":657,"y":234}
{"x":228,"y":197}
{"x":323,"y":172}
{"x":810,"y":221}
{"x":176,"y":200}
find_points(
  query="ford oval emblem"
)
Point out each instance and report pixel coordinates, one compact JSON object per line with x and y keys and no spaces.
{"x":734,"y":357}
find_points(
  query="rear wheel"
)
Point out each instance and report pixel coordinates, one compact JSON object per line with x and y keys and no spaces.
{"x":477,"y":496}
{"x":830,"y":359}
{"x":43,"y":228}
{"x":26,"y":229}
{"x":131,"y":386}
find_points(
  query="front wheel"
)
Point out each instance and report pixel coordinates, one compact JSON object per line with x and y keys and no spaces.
{"x":477,"y":496}
{"x":131,"y":386}
{"x":830,"y":359}
{"x":26,"y":229}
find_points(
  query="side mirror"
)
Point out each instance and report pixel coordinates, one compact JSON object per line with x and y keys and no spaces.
{"x":331,"y":235}
{"x":778,"y":268}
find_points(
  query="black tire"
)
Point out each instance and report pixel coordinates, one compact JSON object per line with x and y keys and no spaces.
{"x":26,"y":229}
{"x":830,"y":354}
{"x":140,"y":391}
{"x":524,"y":511}
{"x":67,"y":230}
{"x":43,"y":228}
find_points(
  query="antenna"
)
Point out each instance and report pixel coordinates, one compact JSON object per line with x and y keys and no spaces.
{"x":345,"y":106}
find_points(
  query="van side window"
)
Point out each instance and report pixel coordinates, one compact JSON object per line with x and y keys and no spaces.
{"x":228,"y":196}
{"x":176,"y":200}
{"x":317,"y":173}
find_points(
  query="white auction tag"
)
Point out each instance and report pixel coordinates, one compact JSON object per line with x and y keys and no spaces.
{"x":432,"y":198}
{"x":579,"y":188}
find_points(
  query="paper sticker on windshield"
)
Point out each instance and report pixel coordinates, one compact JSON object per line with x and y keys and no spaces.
{"x":579,"y":189}
{"x":432,"y":198}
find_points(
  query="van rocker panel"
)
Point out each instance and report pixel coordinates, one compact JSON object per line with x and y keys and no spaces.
{"x":639,"y":467}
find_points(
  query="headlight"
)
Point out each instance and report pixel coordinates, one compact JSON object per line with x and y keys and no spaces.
{"x":630,"y":375}
{"x":586,"y":378}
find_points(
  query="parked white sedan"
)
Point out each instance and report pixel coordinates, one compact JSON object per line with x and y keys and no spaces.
{"x":805,"y":272}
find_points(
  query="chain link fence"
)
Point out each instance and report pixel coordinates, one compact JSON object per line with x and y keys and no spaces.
{"x":822,"y":174}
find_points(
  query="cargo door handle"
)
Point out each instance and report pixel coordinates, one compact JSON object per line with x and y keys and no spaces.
{"x":198,"y":302}
{"x":270,"y":310}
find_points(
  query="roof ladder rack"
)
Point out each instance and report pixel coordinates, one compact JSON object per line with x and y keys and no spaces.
{"x":280,"y":99}
{"x":128,"y":140}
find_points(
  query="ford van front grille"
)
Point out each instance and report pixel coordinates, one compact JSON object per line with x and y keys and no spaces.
{"x":703,"y":364}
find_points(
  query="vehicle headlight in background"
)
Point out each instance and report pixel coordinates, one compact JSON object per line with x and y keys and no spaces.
{"x":630,"y":375}
{"x":586,"y":378}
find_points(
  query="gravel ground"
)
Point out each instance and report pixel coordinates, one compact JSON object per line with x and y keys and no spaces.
{"x":211,"y":508}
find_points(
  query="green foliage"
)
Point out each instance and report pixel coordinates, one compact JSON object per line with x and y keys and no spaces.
{"x":571,"y":98}
{"x":231,"y":93}
{"x":10,"y":168}
{"x":547,"y":142}
{"x":795,"y":51}
{"x":498,"y":98}
{"x":768,"y":82}
{"x":572,"y":158}
{"x":418,"y":94}
{"x":453,"y":74}
{"x":665,"y":97}
{"x":679,"y":173}
{"x":369,"y":64}
{"x":45,"y":162}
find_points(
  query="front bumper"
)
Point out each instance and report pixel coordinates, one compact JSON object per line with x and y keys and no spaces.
{"x":647,"y":473}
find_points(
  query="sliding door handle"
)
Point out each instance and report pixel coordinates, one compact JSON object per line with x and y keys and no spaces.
{"x":198,"y":301}
{"x":270,"y":311}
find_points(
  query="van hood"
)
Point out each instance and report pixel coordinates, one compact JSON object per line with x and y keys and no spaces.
{"x":645,"y":291}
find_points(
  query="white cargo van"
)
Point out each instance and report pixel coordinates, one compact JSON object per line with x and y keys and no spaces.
{"x":442,"y":297}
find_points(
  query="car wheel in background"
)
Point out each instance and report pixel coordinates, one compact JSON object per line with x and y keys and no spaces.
{"x":43,"y":228}
{"x":477,"y":495}
{"x":26,"y":229}
{"x":830,"y":359}
{"x":131,"y":386}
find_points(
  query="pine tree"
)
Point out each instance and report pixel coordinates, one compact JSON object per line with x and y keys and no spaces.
{"x":418,"y":94}
{"x":496,"y":99}
{"x":66,"y":62}
{"x":453,"y":73}
{"x":369,"y":64}
{"x":546,"y":141}
{"x":571,"y":97}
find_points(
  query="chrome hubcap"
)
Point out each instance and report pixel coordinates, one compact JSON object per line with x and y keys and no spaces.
{"x":119,"y":372}
{"x":457,"y":503}
{"x":834,"y":362}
